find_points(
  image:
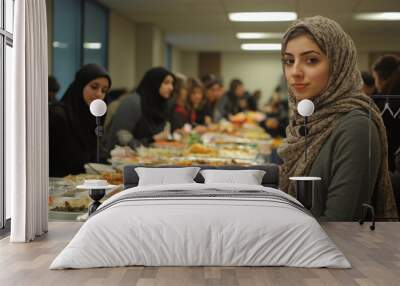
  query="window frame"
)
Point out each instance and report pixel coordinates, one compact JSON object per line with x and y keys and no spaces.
{"x":6,"y":39}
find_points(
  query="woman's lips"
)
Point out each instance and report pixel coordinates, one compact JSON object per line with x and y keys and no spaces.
{"x":299,"y":87}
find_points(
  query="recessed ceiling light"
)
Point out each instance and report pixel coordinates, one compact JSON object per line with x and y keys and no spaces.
{"x":261,"y":47}
{"x":262,"y":16}
{"x":384,"y":16}
{"x":92,"y":46}
{"x":60,"y":45}
{"x":259,"y":35}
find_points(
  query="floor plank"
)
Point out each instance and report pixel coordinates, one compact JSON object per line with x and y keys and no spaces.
{"x":375,"y":257}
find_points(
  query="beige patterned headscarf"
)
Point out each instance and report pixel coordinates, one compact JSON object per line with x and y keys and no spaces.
{"x":342,"y":95}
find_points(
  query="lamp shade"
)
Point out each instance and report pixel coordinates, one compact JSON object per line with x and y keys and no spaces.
{"x":98,"y":107}
{"x":305,"y":107}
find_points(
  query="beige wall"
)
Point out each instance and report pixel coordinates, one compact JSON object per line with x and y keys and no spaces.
{"x":176,"y":60}
{"x":122,"y":47}
{"x":366,"y":45}
{"x":150,"y":45}
{"x":363,"y":61}
{"x":256,"y":70}
{"x":144,"y":42}
{"x":262,"y":70}
{"x":158,"y":47}
{"x":189,"y":63}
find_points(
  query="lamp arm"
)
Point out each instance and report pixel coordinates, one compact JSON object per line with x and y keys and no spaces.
{"x":305,"y":137}
{"x":99,"y":133}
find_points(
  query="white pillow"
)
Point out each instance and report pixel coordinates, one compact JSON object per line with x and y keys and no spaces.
{"x":166,"y":176}
{"x":248,"y":177}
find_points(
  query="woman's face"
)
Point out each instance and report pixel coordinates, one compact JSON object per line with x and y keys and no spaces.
{"x":213,"y":93}
{"x":306,"y":68}
{"x":196,"y":97}
{"x":239,"y":91}
{"x":167,"y":86}
{"x":379,"y":83}
{"x":95,"y":89}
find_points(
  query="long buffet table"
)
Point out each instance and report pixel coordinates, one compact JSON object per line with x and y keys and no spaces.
{"x":227,"y":144}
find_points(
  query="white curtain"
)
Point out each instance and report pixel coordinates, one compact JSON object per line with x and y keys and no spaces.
{"x":27,"y":124}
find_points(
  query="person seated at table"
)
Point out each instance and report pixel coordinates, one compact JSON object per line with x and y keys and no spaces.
{"x":320,"y":64}
{"x":386,"y":72}
{"x":253,"y":100}
{"x":276,"y":111}
{"x":237,"y":98}
{"x":368,"y":83}
{"x":72,"y":138}
{"x":142,"y":116}
{"x":179,"y":114}
{"x":196,"y":102}
{"x":216,"y":102}
{"x":53,"y":88}
{"x":189,"y":107}
{"x":114,"y":100}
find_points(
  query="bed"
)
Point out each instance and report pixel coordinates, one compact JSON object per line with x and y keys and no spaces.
{"x":198,"y":224}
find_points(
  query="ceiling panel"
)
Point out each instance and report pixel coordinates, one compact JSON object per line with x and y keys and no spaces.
{"x":259,"y":5}
{"x":378,"y":6}
{"x":317,"y":7}
{"x":204,"y":24}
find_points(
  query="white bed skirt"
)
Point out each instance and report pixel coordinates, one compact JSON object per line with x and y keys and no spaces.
{"x":200,"y":232}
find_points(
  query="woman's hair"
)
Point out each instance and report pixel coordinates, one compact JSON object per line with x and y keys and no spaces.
{"x":234,"y":84}
{"x":302,"y":31}
{"x":53,"y":84}
{"x":387,"y":68}
{"x":368,"y":79}
{"x":193,"y":84}
{"x":209,"y":80}
{"x":179,"y":84}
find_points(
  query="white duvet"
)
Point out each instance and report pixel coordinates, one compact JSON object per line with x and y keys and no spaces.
{"x":200,"y":231}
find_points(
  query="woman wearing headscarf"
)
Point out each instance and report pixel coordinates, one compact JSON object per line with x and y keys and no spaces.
{"x":142,"y":116}
{"x":320,"y":64}
{"x":72,"y":137}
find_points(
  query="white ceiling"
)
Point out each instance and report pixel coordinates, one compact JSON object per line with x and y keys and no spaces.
{"x":203,"y":25}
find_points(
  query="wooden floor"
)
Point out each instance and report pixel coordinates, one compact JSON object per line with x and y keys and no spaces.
{"x":375,"y":257}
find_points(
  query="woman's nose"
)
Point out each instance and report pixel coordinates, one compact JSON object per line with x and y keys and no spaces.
{"x":297,"y":70}
{"x":99,"y":93}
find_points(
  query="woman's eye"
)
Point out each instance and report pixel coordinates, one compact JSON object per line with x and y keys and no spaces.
{"x":312,"y":60}
{"x":287,"y":61}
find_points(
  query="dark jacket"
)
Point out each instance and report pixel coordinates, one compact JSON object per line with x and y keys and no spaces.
{"x":392,"y":125}
{"x":217,"y":110}
{"x":129,"y":117}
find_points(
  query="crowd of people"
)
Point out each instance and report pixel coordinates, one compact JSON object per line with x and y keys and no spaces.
{"x":163,"y":104}
{"x":319,"y":63}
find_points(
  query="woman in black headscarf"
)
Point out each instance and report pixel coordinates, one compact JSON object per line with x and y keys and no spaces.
{"x":141,"y":117}
{"x":72,"y":138}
